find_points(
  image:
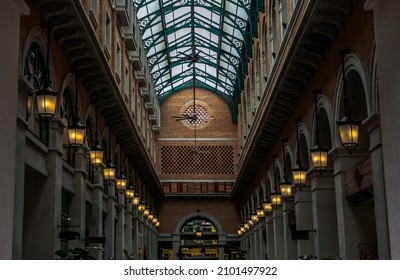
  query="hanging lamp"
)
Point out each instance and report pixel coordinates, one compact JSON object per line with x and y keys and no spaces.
{"x":319,"y":155}
{"x":348,"y":128}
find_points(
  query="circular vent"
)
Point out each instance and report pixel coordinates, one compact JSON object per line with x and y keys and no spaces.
{"x":196,"y":115}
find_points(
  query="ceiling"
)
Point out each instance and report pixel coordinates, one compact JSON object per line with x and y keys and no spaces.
{"x":216,"y":32}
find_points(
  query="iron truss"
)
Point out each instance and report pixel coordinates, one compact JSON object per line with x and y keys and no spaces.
{"x":223,"y":36}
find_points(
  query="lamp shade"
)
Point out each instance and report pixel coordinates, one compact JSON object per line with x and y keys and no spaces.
{"x":141,"y":207}
{"x":150,"y":217}
{"x":96,"y":155}
{"x":109,"y":171}
{"x":348,"y":131}
{"x":158,"y":224}
{"x":285,"y":187}
{"x":76,"y":135}
{"x":146,"y":211}
{"x":267,"y":206}
{"x":155,"y":220}
{"x":319,"y":157}
{"x":199,"y":234}
{"x":247,"y":226}
{"x":46,"y":101}
{"x":136,"y":200}
{"x":299,"y":175}
{"x":121,"y":182}
{"x":276,"y":198}
{"x":129,"y":193}
{"x":254,"y":217}
{"x":260,"y":212}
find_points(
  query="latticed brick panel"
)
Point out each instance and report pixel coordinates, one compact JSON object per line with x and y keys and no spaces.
{"x":197,"y":160}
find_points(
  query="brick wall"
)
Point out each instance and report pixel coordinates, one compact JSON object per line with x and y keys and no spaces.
{"x":219,"y":131}
{"x":171,"y":211}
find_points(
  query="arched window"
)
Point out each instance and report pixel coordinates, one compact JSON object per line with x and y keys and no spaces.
{"x":199,"y":223}
{"x":265,"y":50}
{"x":283,"y":16}
{"x":34,"y":72}
{"x":67,"y":113}
{"x":272,"y":32}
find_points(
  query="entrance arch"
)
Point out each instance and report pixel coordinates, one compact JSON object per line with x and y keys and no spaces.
{"x":208,"y":244}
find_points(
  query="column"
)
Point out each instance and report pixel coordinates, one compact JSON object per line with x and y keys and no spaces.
{"x":251,"y":252}
{"x":324,"y":214}
{"x":270,"y":238}
{"x":128,"y":245}
{"x":145,"y":239}
{"x":48,"y":211}
{"x":120,"y":230}
{"x":261,"y":239}
{"x":304,"y":221}
{"x":96,"y":225}
{"x":9,"y":27}
{"x":257,"y":247}
{"x":349,"y":233}
{"x":380,"y":204}
{"x":247,"y":245}
{"x":176,"y":242}
{"x":19,"y":194}
{"x":110,"y":228}
{"x":290,"y":244}
{"x":140,"y":237}
{"x":279,"y":245}
{"x":221,"y":249}
{"x":387,"y":42}
{"x":78,"y":201}
{"x":135,"y":234}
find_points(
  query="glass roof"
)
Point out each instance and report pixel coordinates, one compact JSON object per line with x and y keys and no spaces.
{"x":212,"y":33}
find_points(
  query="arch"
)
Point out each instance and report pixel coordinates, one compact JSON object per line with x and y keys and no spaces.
{"x":69,"y":84}
{"x":261,"y":192}
{"x":324,"y":106}
{"x":38,"y":36}
{"x":374,"y":88}
{"x":247,"y":209}
{"x":352,"y":65}
{"x":325,"y":130}
{"x":288,"y":153}
{"x":263,"y":187}
{"x":269,"y":183}
{"x":304,"y":144}
{"x":272,"y":31}
{"x":194,"y":215}
{"x":105,"y":144}
{"x":277,"y":174}
{"x":288,"y":161}
{"x":283,"y":17}
{"x":304,"y":152}
{"x":90,"y":132}
{"x":264,"y":49}
{"x":117,"y":155}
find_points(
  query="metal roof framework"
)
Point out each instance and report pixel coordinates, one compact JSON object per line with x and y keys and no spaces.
{"x":222,"y":40}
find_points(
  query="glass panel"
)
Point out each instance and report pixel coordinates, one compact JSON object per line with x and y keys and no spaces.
{"x":218,"y":25}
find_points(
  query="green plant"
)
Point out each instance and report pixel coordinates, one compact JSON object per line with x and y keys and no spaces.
{"x":129,"y":256}
{"x":81,"y":252}
{"x":312,"y":257}
{"x":308,"y":257}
